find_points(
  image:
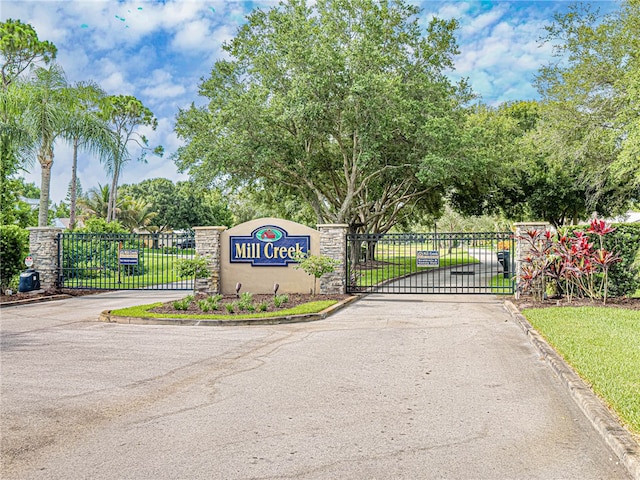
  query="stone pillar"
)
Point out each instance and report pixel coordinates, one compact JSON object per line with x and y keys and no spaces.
{"x":43,"y":246}
{"x":522,"y":247}
{"x":333,"y":244}
{"x":208,"y":246}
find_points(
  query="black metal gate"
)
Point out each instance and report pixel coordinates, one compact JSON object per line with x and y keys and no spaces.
{"x":480,"y":262}
{"x":117,"y":261}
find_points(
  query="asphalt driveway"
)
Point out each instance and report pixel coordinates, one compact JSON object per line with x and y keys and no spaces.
{"x":392,"y":387}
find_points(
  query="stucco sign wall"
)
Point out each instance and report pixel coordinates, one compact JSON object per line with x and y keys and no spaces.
{"x":262,"y":252}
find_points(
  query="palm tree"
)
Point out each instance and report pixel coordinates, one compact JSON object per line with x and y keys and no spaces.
{"x":46,"y":116}
{"x":136,"y":213}
{"x":87,"y":131}
{"x":96,"y":203}
{"x":16,"y":146}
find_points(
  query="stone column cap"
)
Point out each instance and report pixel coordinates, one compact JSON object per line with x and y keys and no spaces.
{"x":219,"y":228}
{"x":334,"y":225}
{"x":518,"y":224}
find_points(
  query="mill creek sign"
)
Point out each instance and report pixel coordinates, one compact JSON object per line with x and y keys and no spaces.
{"x":268,"y":246}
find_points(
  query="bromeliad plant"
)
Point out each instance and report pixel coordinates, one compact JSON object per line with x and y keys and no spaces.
{"x":569,"y":264}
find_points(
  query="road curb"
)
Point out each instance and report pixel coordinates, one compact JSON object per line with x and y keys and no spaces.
{"x":606,"y":424}
{"x":108,"y":317}
{"x":27,"y":301}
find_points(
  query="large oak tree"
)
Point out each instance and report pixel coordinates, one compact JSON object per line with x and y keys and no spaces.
{"x":344,"y":103}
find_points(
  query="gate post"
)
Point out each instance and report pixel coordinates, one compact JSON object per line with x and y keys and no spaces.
{"x":523,"y":248}
{"x":208,"y":246}
{"x":43,"y":246}
{"x":334,"y":246}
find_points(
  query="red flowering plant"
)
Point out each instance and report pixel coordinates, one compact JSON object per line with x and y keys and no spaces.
{"x":569,"y":264}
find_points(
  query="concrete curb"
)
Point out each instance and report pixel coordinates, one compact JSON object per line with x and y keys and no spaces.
{"x":27,"y":301}
{"x":106,"y":316}
{"x":618,"y":438}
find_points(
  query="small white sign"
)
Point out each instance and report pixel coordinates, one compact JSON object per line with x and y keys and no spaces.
{"x":427,"y":258}
{"x":128,"y":257}
{"x":28,"y":261}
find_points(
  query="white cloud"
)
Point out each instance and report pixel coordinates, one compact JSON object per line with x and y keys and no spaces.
{"x":159,"y":51}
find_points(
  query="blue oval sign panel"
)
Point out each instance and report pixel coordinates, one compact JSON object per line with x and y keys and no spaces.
{"x":268,"y":246}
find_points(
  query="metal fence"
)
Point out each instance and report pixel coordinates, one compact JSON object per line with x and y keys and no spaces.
{"x":479,"y":262}
{"x":116,"y":261}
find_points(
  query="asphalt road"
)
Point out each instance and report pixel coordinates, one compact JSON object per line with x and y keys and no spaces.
{"x":391,"y":387}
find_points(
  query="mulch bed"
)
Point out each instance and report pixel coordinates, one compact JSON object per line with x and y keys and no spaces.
{"x":294,"y":299}
{"x":35,"y":295}
{"x":621,"y":302}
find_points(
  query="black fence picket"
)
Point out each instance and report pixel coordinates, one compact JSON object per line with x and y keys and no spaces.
{"x":123,"y":261}
{"x":479,"y":262}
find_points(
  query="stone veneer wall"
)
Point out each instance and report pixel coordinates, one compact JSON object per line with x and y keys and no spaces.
{"x":333,"y":244}
{"x":522,"y":247}
{"x":208,"y":246}
{"x":43,"y":246}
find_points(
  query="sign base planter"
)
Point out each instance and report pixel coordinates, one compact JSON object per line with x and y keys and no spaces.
{"x":107,"y":316}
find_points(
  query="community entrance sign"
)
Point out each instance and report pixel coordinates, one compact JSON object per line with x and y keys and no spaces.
{"x":268,"y":246}
{"x":479,"y":262}
{"x":260,"y":253}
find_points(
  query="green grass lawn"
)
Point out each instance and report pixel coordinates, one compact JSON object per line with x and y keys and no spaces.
{"x":603,"y":345}
{"x":400,"y":266}
{"x":501,"y":285}
{"x":159,"y":268}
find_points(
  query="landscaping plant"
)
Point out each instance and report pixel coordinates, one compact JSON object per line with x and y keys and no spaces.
{"x":569,"y":264}
{"x":316,"y":265}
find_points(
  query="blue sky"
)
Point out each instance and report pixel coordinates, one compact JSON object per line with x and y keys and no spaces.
{"x":159,"y":51}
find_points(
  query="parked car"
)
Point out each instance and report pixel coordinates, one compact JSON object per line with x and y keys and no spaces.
{"x":186,"y":243}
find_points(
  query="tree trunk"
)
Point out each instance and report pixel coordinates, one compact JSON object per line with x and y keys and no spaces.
{"x":73,"y":191}
{"x":46,"y":162}
{"x":111,"y":208}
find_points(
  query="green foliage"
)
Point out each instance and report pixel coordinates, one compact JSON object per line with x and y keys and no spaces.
{"x":100,"y":225}
{"x":279,"y":300}
{"x":184,"y":303}
{"x":20,"y":47}
{"x":316,"y":265}
{"x":624,"y":276}
{"x":14,"y":246}
{"x":307,"y":308}
{"x":125,"y":115}
{"x":14,"y":210}
{"x":348,"y":106}
{"x":195,"y":267}
{"x":210,"y":303}
{"x":246,"y":301}
{"x":230,"y":307}
{"x":183,"y":205}
{"x":590,"y":94}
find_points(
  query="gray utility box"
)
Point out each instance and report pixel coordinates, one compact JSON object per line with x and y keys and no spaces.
{"x":29,"y":281}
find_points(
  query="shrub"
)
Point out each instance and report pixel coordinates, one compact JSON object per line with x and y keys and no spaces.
{"x":580,"y":263}
{"x":210,"y":303}
{"x":195,"y":267}
{"x":14,"y":246}
{"x":231,"y":307}
{"x":624,"y":276}
{"x":279,"y":300}
{"x":184,"y":303}
{"x":316,"y":265}
{"x":246,"y":301}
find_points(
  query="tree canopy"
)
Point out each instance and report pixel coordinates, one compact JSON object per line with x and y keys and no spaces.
{"x":20,"y":48}
{"x":343,"y":103}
